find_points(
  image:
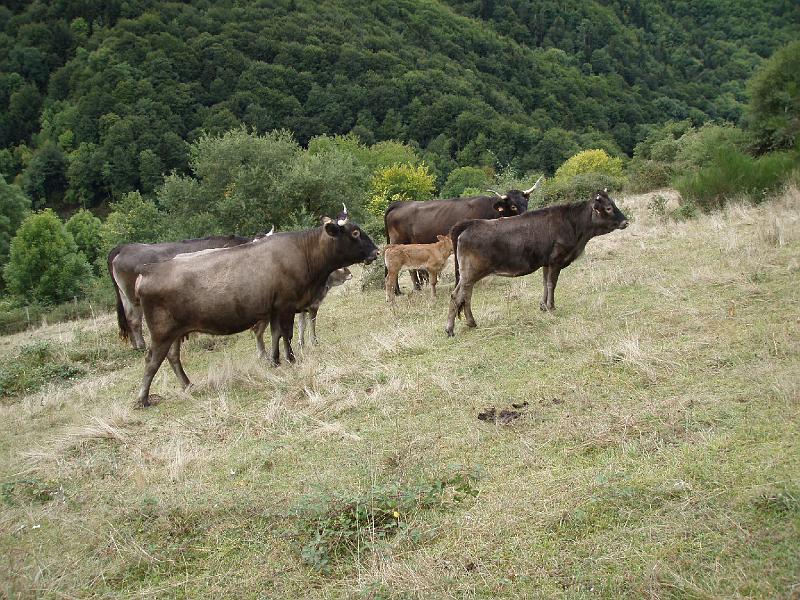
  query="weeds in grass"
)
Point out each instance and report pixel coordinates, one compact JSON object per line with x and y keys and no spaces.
{"x":343,"y":526}
{"x":35,"y":365}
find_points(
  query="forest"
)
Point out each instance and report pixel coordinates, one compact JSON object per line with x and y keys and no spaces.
{"x":181,"y":119}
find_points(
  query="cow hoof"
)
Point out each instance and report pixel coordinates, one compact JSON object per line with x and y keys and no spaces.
{"x":449,"y":332}
{"x":151,"y":400}
{"x":472,"y":324}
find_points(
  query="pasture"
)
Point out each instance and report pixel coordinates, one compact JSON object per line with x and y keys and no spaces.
{"x":654,"y":449}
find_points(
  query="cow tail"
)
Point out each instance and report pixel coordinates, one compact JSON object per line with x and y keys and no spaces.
{"x":456,"y":231}
{"x":122,"y":320}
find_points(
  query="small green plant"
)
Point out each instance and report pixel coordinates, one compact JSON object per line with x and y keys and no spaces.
{"x":340,"y":526}
{"x":28,"y":491}
{"x":658,"y":207}
{"x":35,"y":365}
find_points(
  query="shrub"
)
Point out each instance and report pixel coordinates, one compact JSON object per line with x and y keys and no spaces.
{"x":578,"y":187}
{"x":85,"y":230}
{"x":399,"y":182}
{"x":462,"y":179}
{"x":133,"y":219}
{"x":644,"y":175}
{"x":590,"y":161}
{"x":45,"y":263}
{"x":733,"y":173}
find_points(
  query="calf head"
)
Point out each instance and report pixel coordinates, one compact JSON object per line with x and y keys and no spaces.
{"x":351,"y":243}
{"x":445,"y":241}
{"x":606,"y":217}
{"x":339,"y":276}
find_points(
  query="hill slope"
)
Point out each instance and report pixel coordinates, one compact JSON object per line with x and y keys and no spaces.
{"x":657,"y":456}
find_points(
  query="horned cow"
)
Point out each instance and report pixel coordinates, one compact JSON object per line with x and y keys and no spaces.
{"x":550,"y":238}
{"x":230,"y":290}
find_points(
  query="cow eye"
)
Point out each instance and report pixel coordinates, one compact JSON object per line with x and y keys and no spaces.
{"x":356,"y":233}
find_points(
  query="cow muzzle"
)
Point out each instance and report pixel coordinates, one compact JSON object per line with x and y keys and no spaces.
{"x":624,"y":224}
{"x":373,"y":256}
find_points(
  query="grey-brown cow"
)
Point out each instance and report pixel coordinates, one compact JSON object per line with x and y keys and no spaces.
{"x":550,"y":238}
{"x":229,"y":290}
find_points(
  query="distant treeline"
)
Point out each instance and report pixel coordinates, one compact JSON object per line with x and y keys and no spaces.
{"x":100,"y":98}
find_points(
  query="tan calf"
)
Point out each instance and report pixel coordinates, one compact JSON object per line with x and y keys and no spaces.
{"x":431,"y":257}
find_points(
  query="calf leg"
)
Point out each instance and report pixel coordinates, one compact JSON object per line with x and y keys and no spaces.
{"x":259,"y":331}
{"x":392,"y":287}
{"x":301,"y":328}
{"x":155,"y":356}
{"x":174,"y":358}
{"x":434,"y":279}
{"x":311,"y":315}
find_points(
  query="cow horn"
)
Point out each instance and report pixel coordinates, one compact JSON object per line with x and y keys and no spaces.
{"x":342,"y":217}
{"x":271,"y":231}
{"x":535,"y":187}
{"x":499,"y":195}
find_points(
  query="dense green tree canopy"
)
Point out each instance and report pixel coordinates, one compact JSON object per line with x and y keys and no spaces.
{"x":101,"y":98}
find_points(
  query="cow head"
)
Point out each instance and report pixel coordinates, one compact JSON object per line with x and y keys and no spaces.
{"x":514,"y":202}
{"x":446,"y":241}
{"x":351,"y":243}
{"x":606,"y":216}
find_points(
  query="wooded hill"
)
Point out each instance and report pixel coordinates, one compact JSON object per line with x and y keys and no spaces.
{"x":98,"y":98}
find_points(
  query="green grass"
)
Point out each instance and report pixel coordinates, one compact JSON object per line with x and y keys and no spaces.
{"x":658,"y":455}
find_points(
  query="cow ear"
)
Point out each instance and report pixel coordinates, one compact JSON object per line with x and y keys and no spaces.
{"x":500,"y":206}
{"x":332,"y":229}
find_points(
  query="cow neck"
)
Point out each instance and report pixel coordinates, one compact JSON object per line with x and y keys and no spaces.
{"x":579,"y":215}
{"x":318,"y":249}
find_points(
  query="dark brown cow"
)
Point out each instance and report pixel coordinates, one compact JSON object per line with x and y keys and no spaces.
{"x":419,"y":222}
{"x":124,"y":266}
{"x":229,"y":290}
{"x":550,"y":238}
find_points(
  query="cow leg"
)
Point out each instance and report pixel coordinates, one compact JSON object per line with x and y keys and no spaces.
{"x":287,"y":330}
{"x":275,"y":330}
{"x":552,"y":280}
{"x":174,"y":358}
{"x":301,"y":328}
{"x":434,"y":279}
{"x":259,"y":331}
{"x":545,"y":277}
{"x":155,"y":356}
{"x":134,"y":316}
{"x":460,"y":300}
{"x":311,"y":315}
{"x":468,"y":305}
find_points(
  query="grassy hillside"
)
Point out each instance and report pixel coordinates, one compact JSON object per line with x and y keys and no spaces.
{"x":657,"y":455}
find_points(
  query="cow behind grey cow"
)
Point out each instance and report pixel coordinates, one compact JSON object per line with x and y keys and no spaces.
{"x":229,"y":290}
{"x":550,"y":238}
{"x":419,"y":222}
{"x":124,"y":266}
